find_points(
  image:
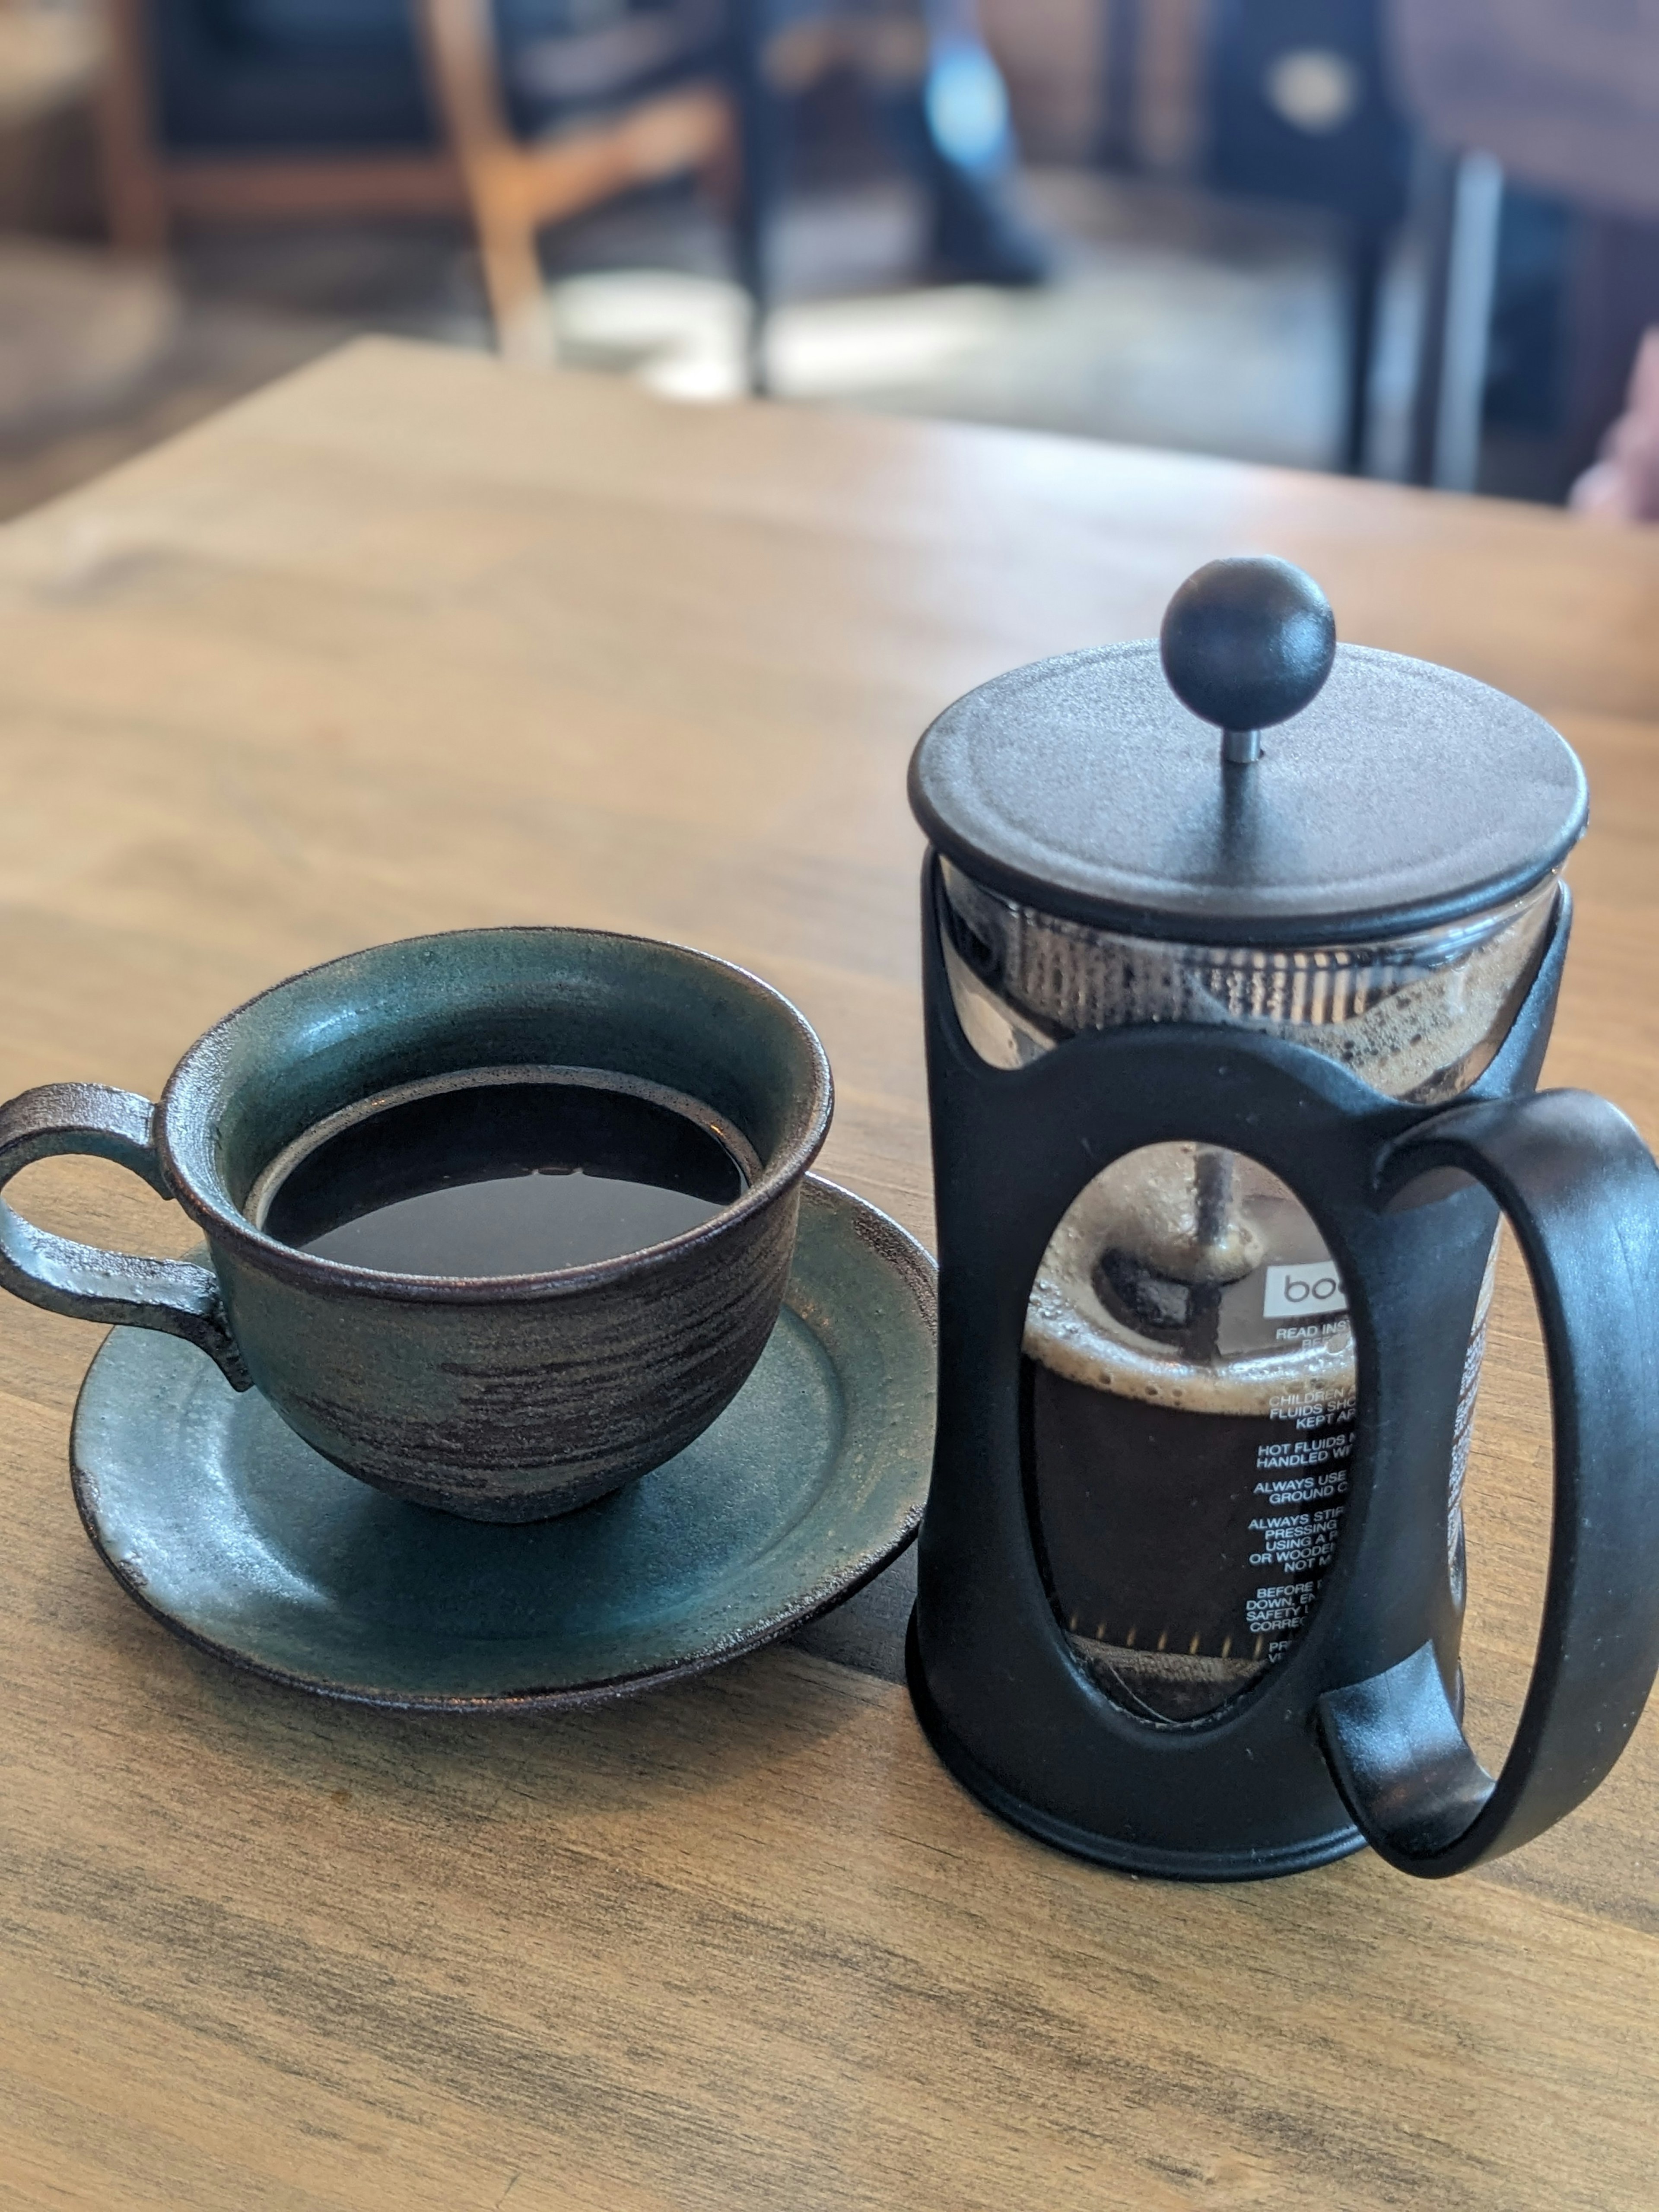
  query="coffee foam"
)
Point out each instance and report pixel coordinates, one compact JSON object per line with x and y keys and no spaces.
{"x":1070,"y":1332}
{"x":1417,"y":1017}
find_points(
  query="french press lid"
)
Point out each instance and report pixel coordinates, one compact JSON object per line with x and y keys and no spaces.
{"x":1353,"y":793}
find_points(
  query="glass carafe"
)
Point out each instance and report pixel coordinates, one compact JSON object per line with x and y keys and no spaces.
{"x":1188,"y":1388}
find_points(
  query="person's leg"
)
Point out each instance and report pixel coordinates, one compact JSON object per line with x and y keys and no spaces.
{"x":946,"y":109}
{"x":1623,"y":485}
{"x":1612,"y":298}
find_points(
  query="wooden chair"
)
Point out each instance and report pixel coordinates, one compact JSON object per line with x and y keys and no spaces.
{"x":1300,"y":109}
{"x":474,"y":164}
{"x":1290,"y":101}
{"x":513,"y":187}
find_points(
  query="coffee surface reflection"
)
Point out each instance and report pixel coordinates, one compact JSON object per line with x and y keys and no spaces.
{"x":507,"y":1173}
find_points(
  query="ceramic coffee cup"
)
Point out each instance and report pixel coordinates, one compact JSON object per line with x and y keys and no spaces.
{"x":502,"y":1398}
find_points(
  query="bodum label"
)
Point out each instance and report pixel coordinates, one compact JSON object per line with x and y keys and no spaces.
{"x":1291,"y":1293}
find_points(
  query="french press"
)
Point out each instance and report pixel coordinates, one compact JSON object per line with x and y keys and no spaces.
{"x":1232,"y":1049}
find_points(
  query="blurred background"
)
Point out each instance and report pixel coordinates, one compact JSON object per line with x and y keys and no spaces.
{"x":1411,"y":239}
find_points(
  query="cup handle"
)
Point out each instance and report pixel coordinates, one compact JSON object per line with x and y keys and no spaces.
{"x":80,"y":1280}
{"x":1582,"y":1191}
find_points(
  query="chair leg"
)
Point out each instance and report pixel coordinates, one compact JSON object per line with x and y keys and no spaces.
{"x":457,"y":38}
{"x":759,"y":124}
{"x":1365,"y":258}
{"x":1465,"y":201}
{"x":135,"y":183}
{"x":1119,"y":146}
{"x":514,"y":286}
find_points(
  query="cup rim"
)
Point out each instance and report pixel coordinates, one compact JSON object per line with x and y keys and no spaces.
{"x":227,"y":1226}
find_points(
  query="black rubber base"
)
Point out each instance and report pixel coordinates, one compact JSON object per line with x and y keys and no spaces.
{"x":1107,"y":1851}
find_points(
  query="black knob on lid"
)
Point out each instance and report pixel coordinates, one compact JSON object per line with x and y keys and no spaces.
{"x":1248,"y":642}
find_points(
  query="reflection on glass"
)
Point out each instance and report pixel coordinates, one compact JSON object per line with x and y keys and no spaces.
{"x":1416,"y":1016}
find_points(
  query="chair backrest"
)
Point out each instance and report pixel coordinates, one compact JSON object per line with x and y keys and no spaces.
{"x":267,"y":75}
{"x":252,"y":75}
{"x":314,"y":23}
{"x":1299,"y":107}
{"x":1563,"y":92}
{"x":311,"y":24}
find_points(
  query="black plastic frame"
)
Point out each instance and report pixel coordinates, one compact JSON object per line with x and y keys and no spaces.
{"x":1287,"y":1776}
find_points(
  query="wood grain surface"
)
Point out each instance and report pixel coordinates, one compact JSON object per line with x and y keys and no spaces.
{"x":413,"y":641}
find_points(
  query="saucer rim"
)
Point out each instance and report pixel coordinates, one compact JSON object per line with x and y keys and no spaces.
{"x":896,"y":1250}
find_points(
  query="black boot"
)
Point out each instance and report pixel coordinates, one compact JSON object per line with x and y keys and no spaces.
{"x":952,"y":131}
{"x":979,"y":235}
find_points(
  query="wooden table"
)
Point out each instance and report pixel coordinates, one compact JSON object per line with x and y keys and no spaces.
{"x":412,"y":643}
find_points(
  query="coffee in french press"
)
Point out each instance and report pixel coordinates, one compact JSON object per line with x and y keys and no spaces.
{"x":1213,"y":1305}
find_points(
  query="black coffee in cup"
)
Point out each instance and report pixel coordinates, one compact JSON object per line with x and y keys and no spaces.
{"x":501,"y":1172}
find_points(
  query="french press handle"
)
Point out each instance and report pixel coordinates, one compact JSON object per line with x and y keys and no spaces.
{"x":1582,"y":1194}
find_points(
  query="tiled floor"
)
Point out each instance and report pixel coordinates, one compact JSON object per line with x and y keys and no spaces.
{"x":1172,"y":320}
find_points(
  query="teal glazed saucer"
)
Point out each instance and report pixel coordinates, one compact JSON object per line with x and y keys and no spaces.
{"x":222,"y":1524}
